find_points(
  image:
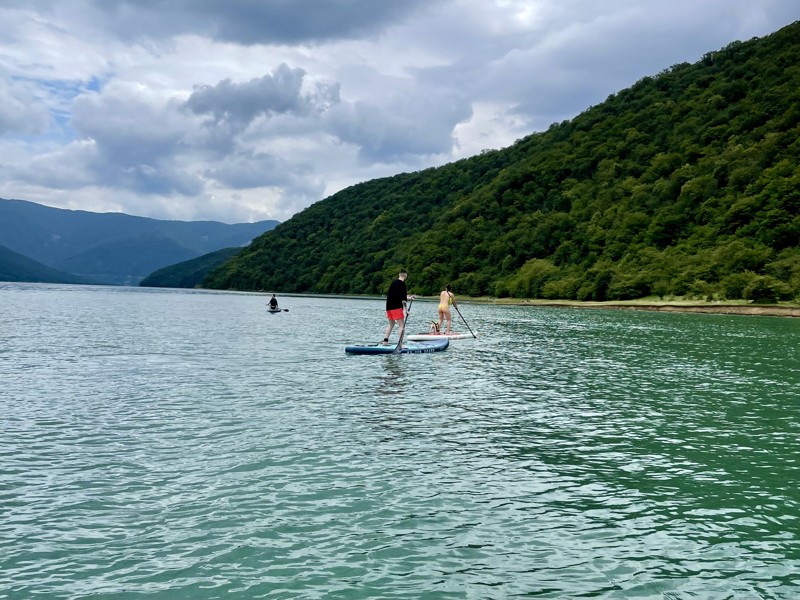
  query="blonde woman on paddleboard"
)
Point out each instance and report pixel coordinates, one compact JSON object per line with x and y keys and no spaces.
{"x":446,"y":298}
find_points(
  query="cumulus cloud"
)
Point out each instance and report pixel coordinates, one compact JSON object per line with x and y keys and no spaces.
{"x":131,"y":139}
{"x":281,"y":92}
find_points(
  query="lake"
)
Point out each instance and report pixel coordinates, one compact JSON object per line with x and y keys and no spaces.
{"x":187,"y":444}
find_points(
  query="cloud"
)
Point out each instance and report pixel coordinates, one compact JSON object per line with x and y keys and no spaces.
{"x":404,"y":128}
{"x":548,"y":61}
{"x":63,"y":168}
{"x":281,"y":92}
{"x":132,"y":139}
{"x":301,"y":21}
{"x":129,"y":124}
{"x":20,"y":111}
{"x":249,"y":169}
{"x":136,"y":140}
{"x":246,"y":22}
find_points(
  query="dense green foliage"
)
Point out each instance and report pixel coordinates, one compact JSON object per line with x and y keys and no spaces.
{"x":687,"y":183}
{"x":190,"y":273}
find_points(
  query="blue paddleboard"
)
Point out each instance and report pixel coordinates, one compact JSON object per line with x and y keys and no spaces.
{"x":408,"y":348}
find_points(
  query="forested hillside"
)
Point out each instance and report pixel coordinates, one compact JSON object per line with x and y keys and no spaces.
{"x":687,"y":183}
{"x":190,"y":273}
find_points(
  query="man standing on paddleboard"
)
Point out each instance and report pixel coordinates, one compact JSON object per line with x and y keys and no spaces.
{"x":396,"y":299}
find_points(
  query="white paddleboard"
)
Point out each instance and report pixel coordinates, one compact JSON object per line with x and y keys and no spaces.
{"x":429,"y":337}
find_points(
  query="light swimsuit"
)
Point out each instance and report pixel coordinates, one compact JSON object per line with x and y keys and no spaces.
{"x":446,"y":306}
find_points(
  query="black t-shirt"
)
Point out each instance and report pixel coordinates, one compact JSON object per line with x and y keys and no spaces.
{"x":397,"y":294}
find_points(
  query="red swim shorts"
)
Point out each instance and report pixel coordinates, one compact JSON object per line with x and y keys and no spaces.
{"x":396,"y":314}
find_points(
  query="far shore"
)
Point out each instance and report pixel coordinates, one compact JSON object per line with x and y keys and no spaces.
{"x":685,"y":306}
{"x":733,"y":307}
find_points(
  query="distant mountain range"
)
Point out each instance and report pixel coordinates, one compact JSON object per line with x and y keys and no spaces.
{"x":16,"y":267}
{"x":40,"y":243}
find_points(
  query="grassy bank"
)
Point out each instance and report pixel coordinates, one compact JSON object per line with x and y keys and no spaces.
{"x":731,"y":307}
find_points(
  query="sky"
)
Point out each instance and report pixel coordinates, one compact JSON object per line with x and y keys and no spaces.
{"x":245,"y":110}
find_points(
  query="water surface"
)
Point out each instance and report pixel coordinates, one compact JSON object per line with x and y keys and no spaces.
{"x":187,"y":444}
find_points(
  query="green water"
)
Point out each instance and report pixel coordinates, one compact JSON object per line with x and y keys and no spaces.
{"x":185,"y":444}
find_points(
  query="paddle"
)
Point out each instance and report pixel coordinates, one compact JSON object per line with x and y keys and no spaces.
{"x":465,"y":322}
{"x":403,"y":330}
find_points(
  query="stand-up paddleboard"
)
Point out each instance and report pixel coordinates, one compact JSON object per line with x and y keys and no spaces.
{"x":277,"y":310}
{"x":430,"y":337}
{"x":410,"y":348}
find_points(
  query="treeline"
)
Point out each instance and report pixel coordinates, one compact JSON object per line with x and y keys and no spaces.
{"x":685,"y":184}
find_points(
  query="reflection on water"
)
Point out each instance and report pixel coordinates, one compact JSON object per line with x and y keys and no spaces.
{"x":393,"y":380}
{"x":187,"y":444}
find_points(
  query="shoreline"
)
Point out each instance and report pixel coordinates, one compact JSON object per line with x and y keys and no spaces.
{"x":760,"y":310}
{"x":679,"y":306}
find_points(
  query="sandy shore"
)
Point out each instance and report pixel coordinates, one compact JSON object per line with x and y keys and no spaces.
{"x":764,"y":310}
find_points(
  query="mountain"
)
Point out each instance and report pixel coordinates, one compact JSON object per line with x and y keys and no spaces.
{"x":687,"y":184}
{"x":190,"y":273}
{"x":113,"y":248}
{"x":16,"y":267}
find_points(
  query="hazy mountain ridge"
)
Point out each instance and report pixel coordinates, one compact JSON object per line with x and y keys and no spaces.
{"x":113,"y":248}
{"x":17,"y":267}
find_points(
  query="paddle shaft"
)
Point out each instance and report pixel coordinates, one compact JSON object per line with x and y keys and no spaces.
{"x":465,"y":322}
{"x":403,"y":330}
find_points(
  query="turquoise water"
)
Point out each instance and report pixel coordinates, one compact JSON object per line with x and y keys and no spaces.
{"x":186,"y":444}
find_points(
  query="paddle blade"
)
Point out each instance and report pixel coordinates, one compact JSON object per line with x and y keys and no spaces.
{"x":400,"y":339}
